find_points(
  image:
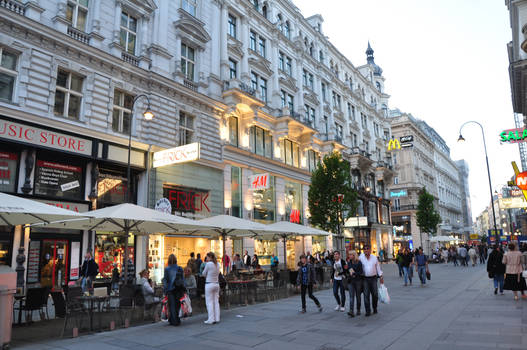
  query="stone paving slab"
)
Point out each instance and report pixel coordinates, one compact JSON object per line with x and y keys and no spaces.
{"x":456,"y":310}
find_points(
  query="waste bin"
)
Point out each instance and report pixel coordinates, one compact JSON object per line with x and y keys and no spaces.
{"x":7,"y":290}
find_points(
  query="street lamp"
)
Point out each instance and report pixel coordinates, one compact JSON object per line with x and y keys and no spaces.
{"x":462,"y":139}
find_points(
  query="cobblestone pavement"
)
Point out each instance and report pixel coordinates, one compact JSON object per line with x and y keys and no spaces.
{"x":456,"y":310}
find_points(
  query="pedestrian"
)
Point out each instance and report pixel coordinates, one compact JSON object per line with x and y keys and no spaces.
{"x":473,"y":255}
{"x":247,"y":259}
{"x":255,"y":263}
{"x":305,"y":280}
{"x":496,"y":269}
{"x":482,"y":250}
{"x":372,"y":271}
{"x":198,"y":263}
{"x":237,"y":263}
{"x":115,"y":278}
{"x":89,"y":270}
{"x":467,"y":257}
{"x":513,"y":271}
{"x":453,"y":251}
{"x":524,"y":255}
{"x":212,"y":289}
{"x":174,"y":286}
{"x":399,"y":260}
{"x":355,"y":281}
{"x":381,"y":256}
{"x":462,"y":255}
{"x":406,"y":263}
{"x":190,"y":282}
{"x":444,"y":255}
{"x":226,"y":262}
{"x":339,"y":273}
{"x":192,"y":263}
{"x":421,"y":266}
{"x":274,"y":264}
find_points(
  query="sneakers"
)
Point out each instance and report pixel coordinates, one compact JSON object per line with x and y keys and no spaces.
{"x":303,"y":311}
{"x":337,"y":308}
{"x":208,"y":322}
{"x":342,"y":309}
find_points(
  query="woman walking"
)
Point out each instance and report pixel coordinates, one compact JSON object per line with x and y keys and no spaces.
{"x":355,"y":281}
{"x":174,"y":285}
{"x":513,"y":272}
{"x":212,"y":289}
{"x":496,"y":269}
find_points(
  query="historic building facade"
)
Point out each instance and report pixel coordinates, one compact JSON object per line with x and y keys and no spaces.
{"x":254,"y":83}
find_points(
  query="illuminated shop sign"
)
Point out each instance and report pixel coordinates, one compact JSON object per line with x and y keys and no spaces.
{"x":394,"y":144}
{"x":188,"y":201}
{"x":181,"y":154}
{"x":397,"y":194}
{"x":295,"y":216}
{"x":513,"y":135}
{"x":259,"y":182}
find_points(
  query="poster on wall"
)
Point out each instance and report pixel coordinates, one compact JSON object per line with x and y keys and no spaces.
{"x":33,"y":258}
{"x":74,"y":262}
{"x":111,"y":189}
{"x":58,"y":180}
{"x":8,"y":171}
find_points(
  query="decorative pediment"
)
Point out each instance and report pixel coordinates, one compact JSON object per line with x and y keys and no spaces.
{"x":139,"y":7}
{"x":192,"y":29}
{"x":262,"y":64}
{"x":289,"y":83}
{"x":236,"y":47}
{"x":311,"y":98}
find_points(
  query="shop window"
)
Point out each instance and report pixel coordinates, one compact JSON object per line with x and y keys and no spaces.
{"x":5,"y":247}
{"x":186,"y":128}
{"x":233,"y":130}
{"x":8,"y":74}
{"x":58,"y":180}
{"x":261,"y":142}
{"x":236,"y":191}
{"x":111,"y":188}
{"x":122,"y":111}
{"x":76,"y":13}
{"x":319,"y":244}
{"x":264,"y":203}
{"x":189,"y":6}
{"x":128,"y":38}
{"x":68,"y":94}
{"x":293,"y":202}
{"x":8,"y":171}
{"x":109,"y":250}
{"x":291,"y":152}
{"x":264,"y":249}
{"x":188,"y":61}
{"x":313,"y":160}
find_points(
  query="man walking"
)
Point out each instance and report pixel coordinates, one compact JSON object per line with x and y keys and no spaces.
{"x":305,"y":281}
{"x":372,"y":270}
{"x":421,"y":266}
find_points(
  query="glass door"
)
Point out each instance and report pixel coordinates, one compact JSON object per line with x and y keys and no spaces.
{"x":54,"y":259}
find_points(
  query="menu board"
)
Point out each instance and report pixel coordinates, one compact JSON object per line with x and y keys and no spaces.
{"x":58,"y":180}
{"x":33,"y":259}
{"x":8,"y":171}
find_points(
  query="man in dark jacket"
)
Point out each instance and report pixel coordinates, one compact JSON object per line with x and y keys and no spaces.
{"x":89,"y":270}
{"x":305,"y":280}
{"x":496,"y":268}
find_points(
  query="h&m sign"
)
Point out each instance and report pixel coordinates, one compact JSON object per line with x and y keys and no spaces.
{"x":259,"y":182}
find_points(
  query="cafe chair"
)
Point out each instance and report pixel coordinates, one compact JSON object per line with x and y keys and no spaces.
{"x":59,"y":303}
{"x":36,"y":300}
{"x":74,"y":309}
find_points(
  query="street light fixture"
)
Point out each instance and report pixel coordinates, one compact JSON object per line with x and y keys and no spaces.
{"x":462,"y":139}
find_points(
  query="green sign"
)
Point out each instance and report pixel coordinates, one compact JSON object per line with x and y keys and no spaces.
{"x":513,"y":135}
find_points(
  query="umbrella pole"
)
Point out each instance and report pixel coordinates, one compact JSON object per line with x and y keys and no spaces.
{"x":285,"y":252}
{"x":125,"y":258}
{"x":223,"y":257}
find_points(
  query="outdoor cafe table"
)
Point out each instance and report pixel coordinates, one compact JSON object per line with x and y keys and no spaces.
{"x":91,"y":300}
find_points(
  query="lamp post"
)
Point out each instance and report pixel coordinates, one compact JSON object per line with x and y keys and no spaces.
{"x":462,"y":139}
{"x":148,"y":115}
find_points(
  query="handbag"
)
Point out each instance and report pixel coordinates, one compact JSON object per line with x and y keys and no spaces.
{"x":428,"y":275}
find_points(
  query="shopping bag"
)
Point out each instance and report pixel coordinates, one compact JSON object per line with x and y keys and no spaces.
{"x":186,"y":307}
{"x":428,"y":275}
{"x":164,"y":309}
{"x":384,"y":297}
{"x":524,"y":274}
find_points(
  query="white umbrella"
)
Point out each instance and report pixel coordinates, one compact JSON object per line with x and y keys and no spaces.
{"x":20,"y":211}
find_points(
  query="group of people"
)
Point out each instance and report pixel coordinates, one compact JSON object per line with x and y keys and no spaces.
{"x":359,"y":273}
{"x":506,"y":268}
{"x":406,"y":260}
{"x":465,"y":255}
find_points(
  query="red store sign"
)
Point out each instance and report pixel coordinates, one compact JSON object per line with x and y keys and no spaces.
{"x":187,"y":200}
{"x":259,"y":182}
{"x":41,"y":137}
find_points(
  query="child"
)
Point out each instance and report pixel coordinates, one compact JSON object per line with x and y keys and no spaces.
{"x":305,"y":280}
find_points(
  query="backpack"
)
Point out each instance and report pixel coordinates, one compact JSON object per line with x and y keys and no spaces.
{"x":179,"y":282}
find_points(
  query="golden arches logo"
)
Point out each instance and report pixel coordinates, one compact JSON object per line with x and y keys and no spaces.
{"x":394,"y":144}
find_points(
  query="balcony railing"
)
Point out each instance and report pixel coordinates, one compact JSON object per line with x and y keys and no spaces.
{"x":78,"y":35}
{"x":130,"y":58}
{"x":248,"y":89}
{"x":299,"y":117}
{"x":13,"y":5}
{"x":190,"y":84}
{"x":404,"y":208}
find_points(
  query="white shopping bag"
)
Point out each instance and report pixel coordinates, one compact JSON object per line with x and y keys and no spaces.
{"x":384,"y":297}
{"x":186,"y":307}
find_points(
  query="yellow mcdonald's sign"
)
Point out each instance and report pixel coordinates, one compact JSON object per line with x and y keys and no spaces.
{"x":394,"y":144}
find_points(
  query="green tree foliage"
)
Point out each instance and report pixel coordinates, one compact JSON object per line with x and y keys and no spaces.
{"x":330,"y":179}
{"x":427,"y":216}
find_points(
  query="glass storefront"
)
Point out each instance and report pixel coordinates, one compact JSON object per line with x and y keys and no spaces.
{"x":6,"y":242}
{"x":109,"y":250}
{"x":293,"y":202}
{"x":236,"y":191}
{"x":264,"y":249}
{"x":291,"y":254}
{"x":319,"y":244}
{"x":54,"y":263}
{"x":264,"y":204}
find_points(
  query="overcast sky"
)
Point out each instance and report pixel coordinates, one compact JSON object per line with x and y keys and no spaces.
{"x":445,"y":62}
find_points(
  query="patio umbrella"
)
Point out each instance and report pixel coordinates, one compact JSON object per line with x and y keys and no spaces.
{"x":285,"y":229}
{"x":129,"y":218}
{"x":20,"y":211}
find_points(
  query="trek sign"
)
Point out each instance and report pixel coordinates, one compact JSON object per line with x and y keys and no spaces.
{"x":514,"y":135}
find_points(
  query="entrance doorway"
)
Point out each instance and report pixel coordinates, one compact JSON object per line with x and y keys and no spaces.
{"x":54,"y":258}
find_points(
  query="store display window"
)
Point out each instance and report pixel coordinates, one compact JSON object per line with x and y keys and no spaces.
{"x":111,"y":188}
{"x":319,"y":244}
{"x":264,"y":204}
{"x":5,"y":246}
{"x":8,"y":171}
{"x":109,"y":250}
{"x":293,"y":202}
{"x":264,"y":249}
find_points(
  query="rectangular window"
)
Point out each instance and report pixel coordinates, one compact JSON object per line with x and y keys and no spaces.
{"x":261,"y":47}
{"x":312,"y":117}
{"x":283,"y":98}
{"x":291,"y":102}
{"x":313,"y":160}
{"x":233,"y":69}
{"x":261,"y":142}
{"x":338,"y":134}
{"x":263,"y":89}
{"x":326,"y":126}
{"x":304,"y":77}
{"x":254,"y":81}
{"x":292,"y":153}
{"x":376,"y":129}
{"x":8,"y":74}
{"x":232,"y":26}
{"x":233,"y":131}
{"x":324,"y":92}
{"x":354,"y":140}
{"x":349,"y":110}
{"x":122,"y":109}
{"x":76,"y":13}
{"x":364,"y":121}
{"x":397,"y":204}
{"x":281,"y":61}
{"x":353,"y":112}
{"x":236,"y":191}
{"x":252,"y":40}
{"x":188,"y":61}
{"x":128,"y":33}
{"x":264,"y":204}
{"x":186,"y":128}
{"x":68,"y":94}
{"x":311,"y":81}
{"x":289,"y":66}
{"x":189,"y":6}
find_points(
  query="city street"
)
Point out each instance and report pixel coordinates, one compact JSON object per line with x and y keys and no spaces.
{"x":456,"y":310}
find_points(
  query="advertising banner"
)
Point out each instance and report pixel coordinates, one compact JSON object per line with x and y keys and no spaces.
{"x":190,"y":202}
{"x":58,"y":180}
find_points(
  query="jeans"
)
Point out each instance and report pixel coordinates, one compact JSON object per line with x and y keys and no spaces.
{"x":498,"y":281}
{"x":422,"y":273}
{"x":174,"y":305}
{"x":339,"y":285}
{"x":355,"y":289}
{"x":115,"y":286}
{"x":309,"y":289}
{"x":401,"y":270}
{"x":87,"y":284}
{"x":212,"y":300}
{"x":455,"y":261}
{"x":407,"y":274}
{"x":370,"y":288}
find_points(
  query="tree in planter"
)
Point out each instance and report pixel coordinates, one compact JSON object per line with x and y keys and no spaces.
{"x":331,"y":196}
{"x":427,"y":216}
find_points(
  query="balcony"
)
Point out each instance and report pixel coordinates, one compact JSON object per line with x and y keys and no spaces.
{"x":242,"y":95}
{"x":79,"y":35}
{"x":129,"y":58}
{"x":189,"y":84}
{"x":13,"y":5}
{"x":404,"y":208}
{"x":297,"y":123}
{"x":360,"y":159}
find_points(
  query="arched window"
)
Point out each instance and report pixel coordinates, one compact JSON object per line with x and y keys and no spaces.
{"x":287,"y":30}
